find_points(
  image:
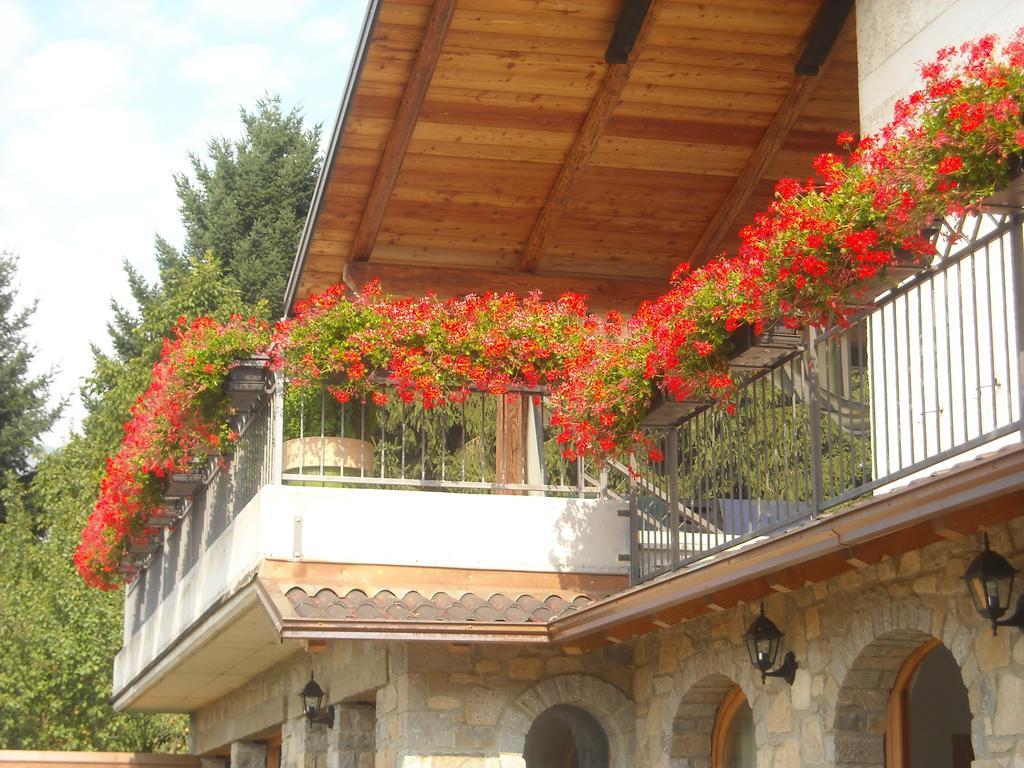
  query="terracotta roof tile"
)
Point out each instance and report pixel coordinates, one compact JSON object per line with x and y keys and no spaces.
{"x":356,"y":605}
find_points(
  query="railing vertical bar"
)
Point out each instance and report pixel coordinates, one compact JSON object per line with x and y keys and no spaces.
{"x":323,"y":414}
{"x":276,"y":447}
{"x":483,"y":433}
{"x":462,"y":437}
{"x":342,"y":441}
{"x":908,"y":371}
{"x":1017,"y":262}
{"x":1006,"y":306}
{"x":814,"y":407}
{"x":949,"y":356}
{"x":636,"y":574}
{"x":444,"y":437}
{"x":302,"y":432}
{"x":923,"y":405}
{"x":897,"y":379}
{"x":975,"y":261}
{"x":401,"y":417}
{"x":672,"y":457}
{"x":935,"y":355}
{"x":989,"y":309}
{"x":362,"y":439}
{"x":963,"y":348}
{"x":884,"y":402}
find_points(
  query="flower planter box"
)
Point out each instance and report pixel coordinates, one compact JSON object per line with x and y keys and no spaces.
{"x":182,"y":484}
{"x":166,"y":515}
{"x":906,"y":266}
{"x":1011,"y":197}
{"x":143,"y":545}
{"x":666,"y":412}
{"x":249,"y":382}
{"x":751,"y":352}
{"x":338,"y":454}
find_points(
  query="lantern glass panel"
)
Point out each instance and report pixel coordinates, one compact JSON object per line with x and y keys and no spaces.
{"x":312,"y":697}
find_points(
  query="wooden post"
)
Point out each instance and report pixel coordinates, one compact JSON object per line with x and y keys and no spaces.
{"x":511,"y":440}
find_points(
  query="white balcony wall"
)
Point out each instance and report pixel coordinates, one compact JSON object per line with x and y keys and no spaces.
{"x":365,"y":526}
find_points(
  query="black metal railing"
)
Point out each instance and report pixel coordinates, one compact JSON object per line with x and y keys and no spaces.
{"x":487,"y":443}
{"x":928,"y":373}
{"x":230,"y":484}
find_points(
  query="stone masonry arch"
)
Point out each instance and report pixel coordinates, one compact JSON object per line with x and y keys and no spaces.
{"x":700,"y":685}
{"x":868,"y":661}
{"x":609,"y":706}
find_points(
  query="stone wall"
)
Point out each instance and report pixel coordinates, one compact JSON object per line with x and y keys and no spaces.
{"x":851,"y":635}
{"x":471,"y":706}
{"x":427,"y":705}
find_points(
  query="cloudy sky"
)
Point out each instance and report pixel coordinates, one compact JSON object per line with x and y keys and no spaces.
{"x":100,"y":102}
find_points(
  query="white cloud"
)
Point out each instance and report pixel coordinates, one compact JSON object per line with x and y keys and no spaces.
{"x":101,"y":103}
{"x":242,"y":72}
{"x":250,"y":14}
{"x":329,"y":30}
{"x":16,"y":31}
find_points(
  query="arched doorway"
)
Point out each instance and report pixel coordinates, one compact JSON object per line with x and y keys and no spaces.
{"x":929,"y":723}
{"x":732,"y":742}
{"x":901,"y":704}
{"x":564,"y":736}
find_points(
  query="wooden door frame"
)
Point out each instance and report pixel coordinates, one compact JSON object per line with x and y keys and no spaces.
{"x":897,"y":728}
{"x":731,"y":703}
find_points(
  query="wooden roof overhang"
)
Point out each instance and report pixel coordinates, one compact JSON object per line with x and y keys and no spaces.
{"x":586,"y":145}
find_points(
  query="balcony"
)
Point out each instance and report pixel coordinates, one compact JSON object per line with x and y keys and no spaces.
{"x":924,"y":378}
{"x":477,"y":487}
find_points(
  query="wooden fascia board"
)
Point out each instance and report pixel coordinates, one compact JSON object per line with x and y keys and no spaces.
{"x":440,"y":632}
{"x":621,"y":293}
{"x":583,"y":146}
{"x":922,"y":502}
{"x":724,"y":218}
{"x":413,"y":96}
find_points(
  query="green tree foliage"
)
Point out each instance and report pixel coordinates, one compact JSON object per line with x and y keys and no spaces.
{"x":25,"y":413}
{"x":58,"y":638}
{"x":248,"y":205}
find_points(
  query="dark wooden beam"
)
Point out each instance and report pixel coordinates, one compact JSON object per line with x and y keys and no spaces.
{"x":826,"y":28}
{"x":604,"y":293}
{"x":583,"y":147}
{"x":724,"y":218}
{"x":402,"y":129}
{"x":631,"y":18}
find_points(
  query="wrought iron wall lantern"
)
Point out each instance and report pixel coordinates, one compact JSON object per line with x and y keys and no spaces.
{"x":764,"y":640}
{"x":989,"y":580}
{"x":312,"y":704}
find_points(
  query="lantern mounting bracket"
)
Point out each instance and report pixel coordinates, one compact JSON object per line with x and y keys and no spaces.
{"x":787,"y":671}
{"x":1016,"y":620}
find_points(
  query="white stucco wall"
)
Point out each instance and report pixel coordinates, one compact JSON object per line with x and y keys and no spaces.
{"x":894,"y":35}
{"x":380,"y":527}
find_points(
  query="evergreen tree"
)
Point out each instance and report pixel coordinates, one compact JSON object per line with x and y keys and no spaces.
{"x":25,"y":413}
{"x":243,"y":217}
{"x":249,"y":204}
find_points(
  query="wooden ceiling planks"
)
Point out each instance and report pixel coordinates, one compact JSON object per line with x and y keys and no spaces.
{"x":584,"y":145}
{"x":513,"y":85}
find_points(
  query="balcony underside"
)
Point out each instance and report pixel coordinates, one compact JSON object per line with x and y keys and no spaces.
{"x":286,"y":606}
